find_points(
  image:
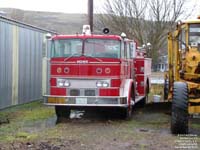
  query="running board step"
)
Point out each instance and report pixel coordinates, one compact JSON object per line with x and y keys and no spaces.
{"x":137,"y":99}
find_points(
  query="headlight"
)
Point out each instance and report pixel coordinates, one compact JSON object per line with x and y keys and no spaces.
{"x":60,"y":82}
{"x":67,"y":83}
{"x":63,"y":83}
{"x":99,"y":84}
{"x":105,"y":84}
{"x":102,"y":84}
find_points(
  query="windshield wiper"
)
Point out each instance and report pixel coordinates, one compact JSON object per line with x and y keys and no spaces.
{"x":75,"y":54}
{"x":99,"y":60}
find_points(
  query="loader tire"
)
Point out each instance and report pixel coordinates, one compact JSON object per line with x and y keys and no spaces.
{"x":62,"y":112}
{"x":179,"y":116}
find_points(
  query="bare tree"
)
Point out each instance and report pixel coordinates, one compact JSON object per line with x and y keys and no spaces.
{"x":162,"y":17}
{"x":145,"y":20}
{"x":124,"y":16}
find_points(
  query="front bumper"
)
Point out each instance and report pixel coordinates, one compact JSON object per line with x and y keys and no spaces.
{"x":85,"y":101}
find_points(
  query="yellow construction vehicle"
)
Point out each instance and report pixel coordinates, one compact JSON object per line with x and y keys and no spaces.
{"x":182,"y":81}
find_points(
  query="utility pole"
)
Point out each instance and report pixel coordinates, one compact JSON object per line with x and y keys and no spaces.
{"x":90,"y":14}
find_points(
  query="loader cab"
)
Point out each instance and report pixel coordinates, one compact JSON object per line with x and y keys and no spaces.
{"x":194,"y":35}
{"x":189,"y":35}
{"x":189,"y":47}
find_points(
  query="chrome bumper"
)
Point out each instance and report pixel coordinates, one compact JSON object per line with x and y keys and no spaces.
{"x":85,"y":101}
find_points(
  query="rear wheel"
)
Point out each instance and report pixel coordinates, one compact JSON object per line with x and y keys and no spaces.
{"x":179,"y":117}
{"x":62,"y":112}
{"x":145,"y":100}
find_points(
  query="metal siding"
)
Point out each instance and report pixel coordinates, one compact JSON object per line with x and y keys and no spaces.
{"x":33,"y":69}
{"x":48,"y":67}
{"x":39,"y":62}
{"x":15,"y":64}
{"x":5,"y":64}
{"x":30,"y":67}
{"x":21,"y":63}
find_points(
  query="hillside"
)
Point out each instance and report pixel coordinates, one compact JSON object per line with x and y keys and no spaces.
{"x":59,"y":22}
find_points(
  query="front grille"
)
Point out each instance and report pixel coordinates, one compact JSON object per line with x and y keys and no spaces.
{"x":74,"y":92}
{"x":82,"y":92}
{"x":89,"y":92}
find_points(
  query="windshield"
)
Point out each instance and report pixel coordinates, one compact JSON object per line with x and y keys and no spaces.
{"x":106,"y":48}
{"x":194,"y":35}
{"x":66,"y":48}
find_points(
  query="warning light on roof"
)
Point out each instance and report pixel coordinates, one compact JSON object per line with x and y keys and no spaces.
{"x":86,"y":29}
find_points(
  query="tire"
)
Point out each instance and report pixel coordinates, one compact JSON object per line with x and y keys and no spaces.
{"x":62,"y":112}
{"x":179,"y":116}
{"x":126,"y":113}
{"x":166,"y":89}
{"x":145,"y":100}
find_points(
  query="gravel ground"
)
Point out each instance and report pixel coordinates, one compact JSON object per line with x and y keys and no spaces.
{"x":148,"y":129}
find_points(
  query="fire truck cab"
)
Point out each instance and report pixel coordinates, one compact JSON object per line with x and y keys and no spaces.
{"x":96,"y":71}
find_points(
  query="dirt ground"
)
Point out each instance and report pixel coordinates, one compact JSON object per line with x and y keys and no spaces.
{"x":34,"y":126}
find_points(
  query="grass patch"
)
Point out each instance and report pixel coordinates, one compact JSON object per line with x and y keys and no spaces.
{"x":19,"y":117}
{"x":195,"y":123}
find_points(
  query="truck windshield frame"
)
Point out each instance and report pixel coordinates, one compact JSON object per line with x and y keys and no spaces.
{"x":93,"y":47}
{"x":194,"y":33}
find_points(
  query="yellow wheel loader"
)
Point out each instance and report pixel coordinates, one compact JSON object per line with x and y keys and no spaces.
{"x":182,"y":81}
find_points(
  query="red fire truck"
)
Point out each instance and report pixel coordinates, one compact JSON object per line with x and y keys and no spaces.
{"x":96,"y":71}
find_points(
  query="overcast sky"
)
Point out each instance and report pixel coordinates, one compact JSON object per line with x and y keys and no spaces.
{"x":67,"y":6}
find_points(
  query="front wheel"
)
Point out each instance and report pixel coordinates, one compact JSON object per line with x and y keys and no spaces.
{"x":179,"y":116}
{"x":126,"y":113}
{"x":62,"y":112}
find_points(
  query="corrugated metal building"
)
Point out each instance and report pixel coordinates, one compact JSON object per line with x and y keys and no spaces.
{"x":22,"y":62}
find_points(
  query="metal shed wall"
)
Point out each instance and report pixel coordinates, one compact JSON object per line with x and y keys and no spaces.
{"x":21,"y":63}
{"x":5,"y":64}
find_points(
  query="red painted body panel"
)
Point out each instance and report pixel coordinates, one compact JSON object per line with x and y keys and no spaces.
{"x":138,"y":63}
{"x":53,"y":81}
{"x":58,"y":91}
{"x":75,"y":70}
{"x":109,"y":92}
{"x":142,"y":75}
{"x":115,"y":83}
{"x":140,"y":89}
